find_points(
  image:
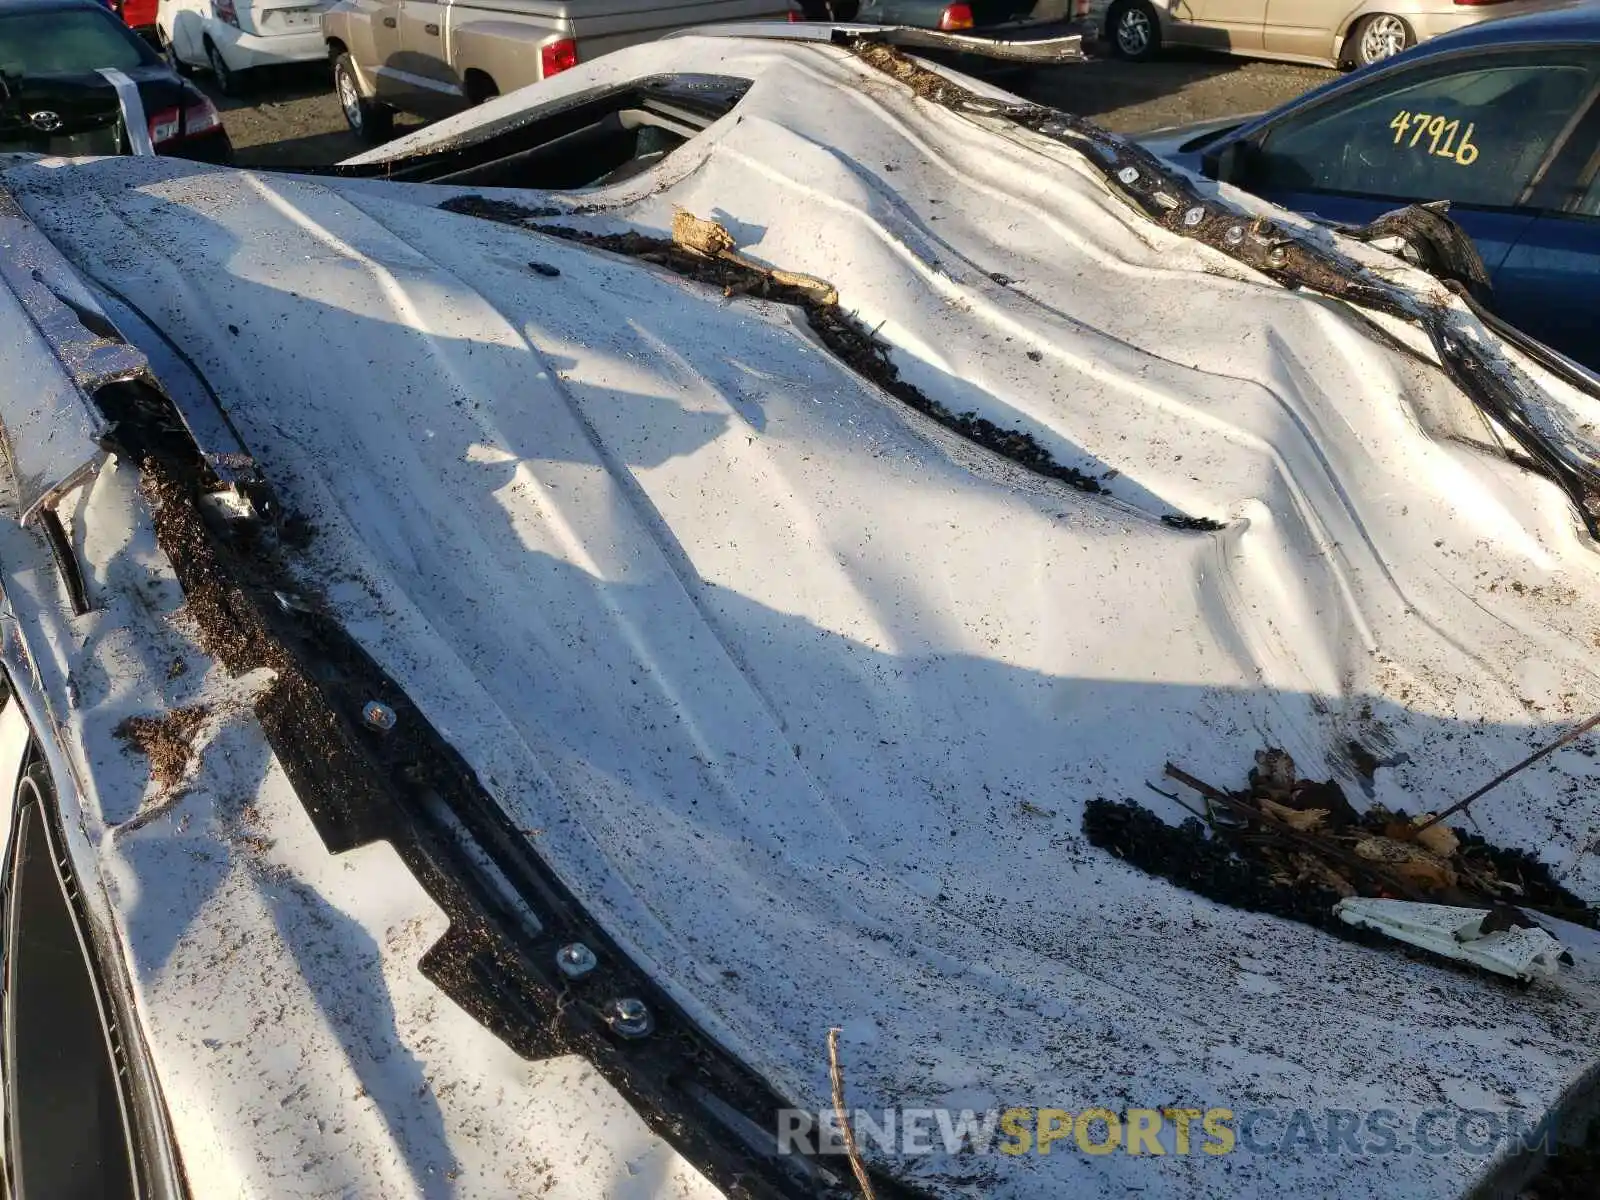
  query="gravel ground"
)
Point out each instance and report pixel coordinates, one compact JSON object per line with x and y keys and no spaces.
{"x":290,"y":117}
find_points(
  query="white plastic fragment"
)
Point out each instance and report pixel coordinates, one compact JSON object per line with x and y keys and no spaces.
{"x":1454,"y":932}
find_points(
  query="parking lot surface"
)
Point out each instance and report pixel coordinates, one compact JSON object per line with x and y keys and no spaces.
{"x":290,"y":118}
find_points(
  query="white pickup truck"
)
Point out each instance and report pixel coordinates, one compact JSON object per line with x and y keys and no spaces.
{"x":436,"y":57}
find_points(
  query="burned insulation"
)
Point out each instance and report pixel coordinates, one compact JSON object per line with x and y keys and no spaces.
{"x":1294,"y":848}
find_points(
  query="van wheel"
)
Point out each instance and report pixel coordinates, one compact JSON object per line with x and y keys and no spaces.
{"x":229,"y":81}
{"x":368,"y":120}
{"x":1133,"y":30}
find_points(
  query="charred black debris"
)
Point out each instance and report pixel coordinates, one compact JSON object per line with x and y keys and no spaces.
{"x":1294,"y":847}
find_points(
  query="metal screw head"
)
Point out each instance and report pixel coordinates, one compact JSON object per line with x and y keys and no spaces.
{"x":377,"y":715}
{"x":629,"y":1018}
{"x":1194,"y":216}
{"x":1277,"y":254}
{"x":1128,"y":175}
{"x":575,"y":960}
{"x":1234,"y":236}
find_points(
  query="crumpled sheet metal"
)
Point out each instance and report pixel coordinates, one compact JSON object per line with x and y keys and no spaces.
{"x":61,"y":350}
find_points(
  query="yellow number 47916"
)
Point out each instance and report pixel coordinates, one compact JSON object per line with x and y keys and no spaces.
{"x":1435,"y":129}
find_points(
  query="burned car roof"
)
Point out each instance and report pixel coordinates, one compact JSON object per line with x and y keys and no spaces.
{"x":784,"y":662}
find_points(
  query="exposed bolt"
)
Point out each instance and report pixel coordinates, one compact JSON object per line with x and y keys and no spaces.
{"x":1277,"y":254}
{"x":1128,"y":175}
{"x":1235,"y":235}
{"x":1194,"y":216}
{"x":629,"y":1018}
{"x":575,"y":960}
{"x":377,"y":715}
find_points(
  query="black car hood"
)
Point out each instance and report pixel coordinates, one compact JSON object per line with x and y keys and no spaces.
{"x":82,"y":104}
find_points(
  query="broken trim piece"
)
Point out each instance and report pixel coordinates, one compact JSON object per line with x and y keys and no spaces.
{"x":65,"y":559}
{"x":1523,"y":953}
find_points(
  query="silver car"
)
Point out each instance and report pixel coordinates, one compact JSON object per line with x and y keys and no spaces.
{"x":1340,"y":33}
{"x":436,"y":57}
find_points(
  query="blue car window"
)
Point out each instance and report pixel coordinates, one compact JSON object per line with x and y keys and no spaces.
{"x":1478,"y":134}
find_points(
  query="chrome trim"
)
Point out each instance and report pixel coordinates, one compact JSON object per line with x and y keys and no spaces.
{"x":421,"y":81}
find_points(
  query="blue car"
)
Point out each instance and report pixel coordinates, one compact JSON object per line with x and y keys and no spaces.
{"x":1501,"y":119}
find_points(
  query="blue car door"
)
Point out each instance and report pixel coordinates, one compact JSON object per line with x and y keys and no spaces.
{"x":1549,"y":285}
{"x":1479,"y":130}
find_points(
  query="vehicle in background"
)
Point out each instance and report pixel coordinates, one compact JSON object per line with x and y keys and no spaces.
{"x":138,"y":15}
{"x":230,"y":38}
{"x":952,"y":16}
{"x":437,"y":58}
{"x":77,"y":81}
{"x":1501,"y":120}
{"x":1336,"y":33}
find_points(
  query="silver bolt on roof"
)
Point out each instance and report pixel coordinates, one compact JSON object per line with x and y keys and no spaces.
{"x":629,"y":1018}
{"x":378,"y":715}
{"x":575,"y":960}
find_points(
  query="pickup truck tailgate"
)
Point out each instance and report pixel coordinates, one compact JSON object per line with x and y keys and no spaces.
{"x":602,"y":26}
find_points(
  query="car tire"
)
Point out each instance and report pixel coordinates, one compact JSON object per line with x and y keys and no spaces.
{"x":229,"y":81}
{"x":480,"y":88}
{"x":1377,"y":37}
{"x":368,"y":120}
{"x":1133,"y":30}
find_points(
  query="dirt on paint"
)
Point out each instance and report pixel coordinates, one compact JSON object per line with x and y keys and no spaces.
{"x":841,"y":332}
{"x":167,"y":741}
{"x":360,"y":782}
{"x":1170,"y":199}
{"x":226,"y":591}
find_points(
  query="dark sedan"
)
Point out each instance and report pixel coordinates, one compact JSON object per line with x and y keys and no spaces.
{"x":75,"y":80}
{"x":1502,"y":120}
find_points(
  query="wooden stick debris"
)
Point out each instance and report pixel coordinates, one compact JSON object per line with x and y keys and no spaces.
{"x":836,"y":1075}
{"x":1317,"y":845}
{"x":1571,"y":735}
